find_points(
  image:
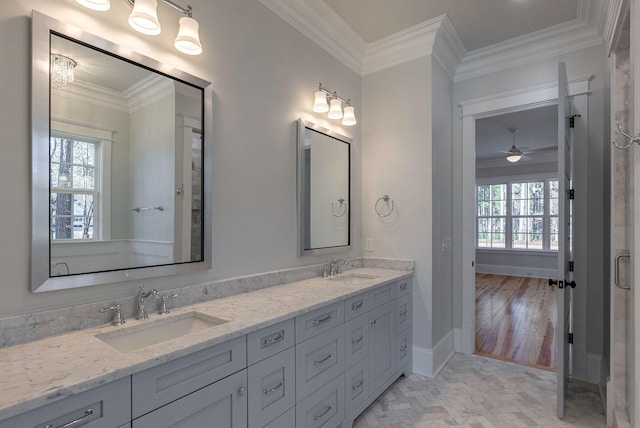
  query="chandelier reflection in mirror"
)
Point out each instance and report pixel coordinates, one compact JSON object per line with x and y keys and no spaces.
{"x":327,"y":101}
{"x":62,"y":70}
{"x":144,"y":19}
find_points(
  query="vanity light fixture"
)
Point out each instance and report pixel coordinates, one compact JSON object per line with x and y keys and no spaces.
{"x":62,"y":70}
{"x":327,"y":101}
{"x":144,"y":19}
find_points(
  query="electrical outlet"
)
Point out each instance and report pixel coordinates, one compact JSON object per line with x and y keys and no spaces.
{"x":369,"y":245}
{"x":446,"y":245}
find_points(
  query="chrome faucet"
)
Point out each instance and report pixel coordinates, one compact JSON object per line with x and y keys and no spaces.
{"x":342,"y":261}
{"x":118,"y":319}
{"x":142,"y":313}
{"x":162,"y":308}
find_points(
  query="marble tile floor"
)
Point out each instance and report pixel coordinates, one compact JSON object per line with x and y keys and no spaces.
{"x":476,"y":392}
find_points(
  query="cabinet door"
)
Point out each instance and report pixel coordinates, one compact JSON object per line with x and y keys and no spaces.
{"x":356,"y":339}
{"x":106,"y":406}
{"x":221,"y":405}
{"x":272,"y":387}
{"x":381,"y":344}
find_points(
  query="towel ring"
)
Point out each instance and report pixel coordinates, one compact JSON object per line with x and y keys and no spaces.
{"x":384,"y":199}
{"x":629,"y":139}
{"x":344,"y":208}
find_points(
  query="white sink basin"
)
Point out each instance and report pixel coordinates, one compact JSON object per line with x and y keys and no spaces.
{"x":152,"y":332}
{"x":353,"y":278}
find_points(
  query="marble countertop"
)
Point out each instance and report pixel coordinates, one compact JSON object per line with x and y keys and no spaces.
{"x":44,"y":371}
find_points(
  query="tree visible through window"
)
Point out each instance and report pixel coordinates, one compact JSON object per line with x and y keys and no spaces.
{"x":73,"y":188}
{"x":518,"y":215}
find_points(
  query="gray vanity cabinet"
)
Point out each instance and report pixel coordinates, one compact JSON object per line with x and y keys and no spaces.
{"x":221,"y":405}
{"x":356,"y":339}
{"x":106,"y":406}
{"x":324,"y":407}
{"x":381,"y":344}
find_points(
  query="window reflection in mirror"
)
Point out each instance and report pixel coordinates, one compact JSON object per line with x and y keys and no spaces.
{"x":324,"y":190}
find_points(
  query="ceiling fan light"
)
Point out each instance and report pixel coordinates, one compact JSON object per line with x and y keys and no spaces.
{"x":514,"y":157}
{"x":144,"y":17}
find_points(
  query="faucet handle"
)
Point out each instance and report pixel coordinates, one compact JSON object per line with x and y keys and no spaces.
{"x":118,"y":319}
{"x":162,"y":309}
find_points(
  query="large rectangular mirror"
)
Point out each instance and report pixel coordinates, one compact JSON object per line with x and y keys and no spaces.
{"x":324,"y":190}
{"x":120,"y":174}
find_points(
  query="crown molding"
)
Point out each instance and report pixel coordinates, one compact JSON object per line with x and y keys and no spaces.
{"x":448,"y":49}
{"x":322,"y":25}
{"x":548,"y":43}
{"x":148,"y":91}
{"x":94,"y":95}
{"x":615,"y":14}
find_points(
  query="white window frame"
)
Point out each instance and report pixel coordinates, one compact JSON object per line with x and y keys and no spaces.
{"x":103,"y":140}
{"x":509,"y":181}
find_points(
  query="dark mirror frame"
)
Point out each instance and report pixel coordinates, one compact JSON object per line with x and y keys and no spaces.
{"x":42,"y":28}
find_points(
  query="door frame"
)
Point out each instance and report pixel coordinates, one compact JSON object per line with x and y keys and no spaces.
{"x":521,"y":99}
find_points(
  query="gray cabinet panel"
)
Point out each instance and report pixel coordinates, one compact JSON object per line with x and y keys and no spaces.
{"x":356,"y":386}
{"x":271,"y":387}
{"x":403,"y":287}
{"x":127,"y":425}
{"x":404,"y":316}
{"x":381,"y":295}
{"x":356,"y":306}
{"x":356,"y":339}
{"x":324,"y":408}
{"x":287,"y":420}
{"x":318,"y":360}
{"x":222,"y":405}
{"x":318,"y":321}
{"x":167,"y":382}
{"x":106,"y":406}
{"x":403,"y":348}
{"x":269,"y":341}
{"x":381,"y":344}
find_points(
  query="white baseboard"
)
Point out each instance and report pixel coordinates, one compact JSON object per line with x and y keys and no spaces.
{"x":528,"y":272}
{"x":429,"y":362}
{"x":594,"y":365}
{"x":457,"y":340}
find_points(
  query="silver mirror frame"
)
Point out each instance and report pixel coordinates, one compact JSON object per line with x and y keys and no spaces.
{"x":41,"y":28}
{"x":302,"y":185}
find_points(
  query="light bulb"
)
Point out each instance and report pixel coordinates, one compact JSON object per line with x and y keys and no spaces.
{"x":513,"y":157}
{"x":335,"y":110}
{"x":144,"y":17}
{"x":320,"y":104}
{"x":99,"y":5}
{"x":349,"y":118}
{"x":188,"y":40}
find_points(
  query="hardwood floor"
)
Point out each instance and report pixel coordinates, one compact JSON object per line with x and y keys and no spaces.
{"x":516,"y":320}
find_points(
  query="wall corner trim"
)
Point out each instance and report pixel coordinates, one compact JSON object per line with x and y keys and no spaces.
{"x":429,"y":362}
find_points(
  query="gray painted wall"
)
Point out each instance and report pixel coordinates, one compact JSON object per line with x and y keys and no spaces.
{"x":264,"y":74}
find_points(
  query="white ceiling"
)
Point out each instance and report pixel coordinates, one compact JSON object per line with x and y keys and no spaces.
{"x":479,"y":23}
{"x":537,"y":129}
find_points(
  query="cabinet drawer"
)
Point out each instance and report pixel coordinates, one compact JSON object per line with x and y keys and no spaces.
{"x":269,"y":341}
{"x":318,"y":321}
{"x":404,"y":314}
{"x":403,"y":348}
{"x":356,"y":306}
{"x":167,"y":382}
{"x":403,"y":287}
{"x":287,"y":420}
{"x":106,"y":406}
{"x":318,"y":360}
{"x":271,"y":387}
{"x":127,"y":425}
{"x":356,"y":341}
{"x":223,"y":402}
{"x":356,"y":386}
{"x":381,"y":295}
{"x":324,"y":408}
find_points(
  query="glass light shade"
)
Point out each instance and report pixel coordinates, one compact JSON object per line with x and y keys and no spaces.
{"x":144,"y":17}
{"x":320,"y":104}
{"x":99,"y":5}
{"x":349,"y":118}
{"x":335,"y":109}
{"x":513,"y":157}
{"x":62,"y":70}
{"x":188,"y":40}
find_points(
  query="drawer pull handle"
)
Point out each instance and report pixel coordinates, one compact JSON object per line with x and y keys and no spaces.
{"x":403,"y":314}
{"x":242,"y":391}
{"x":357,"y":305}
{"x":372,"y":322}
{"x":404,"y":348}
{"x":358,"y":340}
{"x":403,"y":286}
{"x":322,"y":320}
{"x":324,"y":412}
{"x":272,"y":390}
{"x":317,"y":363}
{"x":277,"y":338}
{"x":358,"y":386}
{"x":75,"y":422}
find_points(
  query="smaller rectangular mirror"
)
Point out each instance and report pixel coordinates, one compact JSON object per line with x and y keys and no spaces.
{"x":324,"y":190}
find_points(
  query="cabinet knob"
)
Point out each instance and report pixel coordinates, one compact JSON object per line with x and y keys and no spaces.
{"x":242,"y":391}
{"x":372,"y":322}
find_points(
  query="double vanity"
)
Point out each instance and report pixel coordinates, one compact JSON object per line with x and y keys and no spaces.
{"x":310,"y":353}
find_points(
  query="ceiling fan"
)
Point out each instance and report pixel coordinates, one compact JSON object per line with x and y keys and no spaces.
{"x":515,"y":154}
